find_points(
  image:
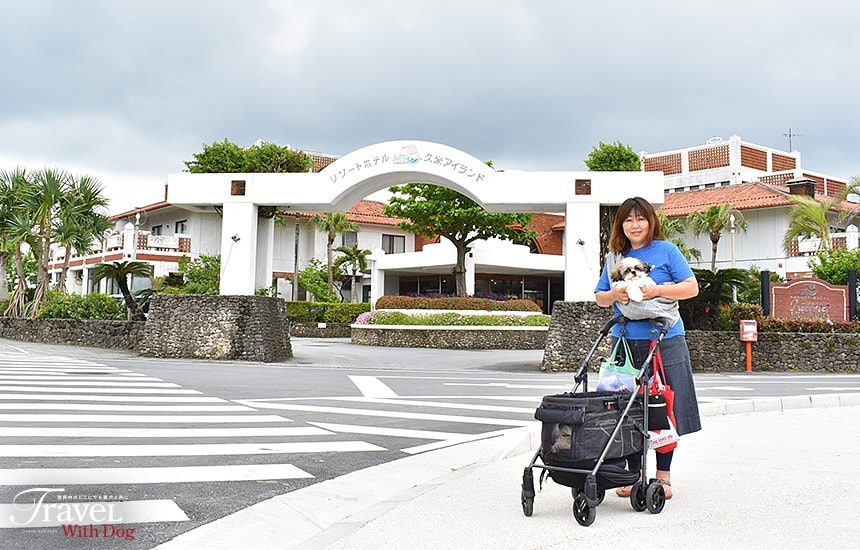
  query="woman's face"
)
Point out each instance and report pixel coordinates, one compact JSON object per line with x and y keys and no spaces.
{"x":636,"y":229}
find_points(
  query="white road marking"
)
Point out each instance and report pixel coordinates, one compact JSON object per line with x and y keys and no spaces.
{"x":76,"y":382}
{"x":137,"y":418}
{"x":122,"y":408}
{"x":391,"y":414}
{"x":64,"y":377}
{"x":128,"y":511}
{"x":450,"y":442}
{"x":153,"y":398}
{"x":371,"y":386}
{"x":463,"y":406}
{"x":133,"y":476}
{"x":388,"y":432}
{"x":159,"y":432}
{"x":833,"y":388}
{"x":724,"y":388}
{"x":93,"y":390}
{"x":208,"y":449}
{"x":512,"y":386}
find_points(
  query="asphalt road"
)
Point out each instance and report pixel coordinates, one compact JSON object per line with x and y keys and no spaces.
{"x":187,"y":442}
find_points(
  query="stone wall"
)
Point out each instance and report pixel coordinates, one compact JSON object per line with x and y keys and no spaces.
{"x":249,"y":328}
{"x":450,"y":337}
{"x":314,"y":330}
{"x":576,"y":325}
{"x":778,"y":351}
{"x":74,"y":332}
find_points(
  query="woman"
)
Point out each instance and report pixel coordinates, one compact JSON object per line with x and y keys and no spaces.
{"x":636,"y":233}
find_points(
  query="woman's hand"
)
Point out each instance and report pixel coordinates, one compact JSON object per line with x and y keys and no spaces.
{"x":609,"y":297}
{"x":651,"y":292}
{"x":619,"y":294}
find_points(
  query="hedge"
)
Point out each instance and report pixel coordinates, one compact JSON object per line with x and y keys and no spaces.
{"x":731,"y":315}
{"x":420,"y":302}
{"x":452,"y":319}
{"x":58,"y":305}
{"x":324,"y":312}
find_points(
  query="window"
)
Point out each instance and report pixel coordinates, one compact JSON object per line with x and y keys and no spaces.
{"x":349,"y":238}
{"x":181,"y":227}
{"x":156,"y":230}
{"x":393,"y":244}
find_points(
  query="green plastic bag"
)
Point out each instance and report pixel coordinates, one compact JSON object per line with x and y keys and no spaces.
{"x":617,"y":372}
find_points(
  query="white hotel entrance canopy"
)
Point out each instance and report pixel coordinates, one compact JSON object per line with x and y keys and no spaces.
{"x":247,"y":238}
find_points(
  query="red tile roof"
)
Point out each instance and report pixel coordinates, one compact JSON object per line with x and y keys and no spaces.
{"x":369,"y":212}
{"x":141,"y":210}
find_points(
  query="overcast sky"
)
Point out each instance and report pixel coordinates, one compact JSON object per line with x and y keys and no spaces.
{"x":127,"y":91}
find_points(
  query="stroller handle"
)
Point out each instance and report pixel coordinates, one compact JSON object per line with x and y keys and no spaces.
{"x":664,"y":322}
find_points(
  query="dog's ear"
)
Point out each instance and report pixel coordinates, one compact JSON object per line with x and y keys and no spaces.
{"x":646,"y":267}
{"x":615,"y":274}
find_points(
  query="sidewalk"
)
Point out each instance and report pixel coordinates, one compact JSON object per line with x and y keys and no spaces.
{"x":778,"y":478}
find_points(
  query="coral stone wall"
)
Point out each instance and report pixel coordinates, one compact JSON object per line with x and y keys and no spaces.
{"x":249,"y":328}
{"x":414,"y":336}
{"x":73,"y":332}
{"x":576,"y":325}
{"x":314,"y":330}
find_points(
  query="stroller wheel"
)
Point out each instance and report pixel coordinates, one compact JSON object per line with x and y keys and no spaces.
{"x":638,"y":498}
{"x":655,"y":498}
{"x":600,"y":496}
{"x":528,"y":504}
{"x":582,"y":512}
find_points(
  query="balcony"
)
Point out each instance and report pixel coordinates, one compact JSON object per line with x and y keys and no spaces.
{"x":847,"y":240}
{"x":118,"y":247}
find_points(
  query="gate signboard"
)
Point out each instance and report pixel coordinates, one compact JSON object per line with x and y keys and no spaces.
{"x":809,"y":299}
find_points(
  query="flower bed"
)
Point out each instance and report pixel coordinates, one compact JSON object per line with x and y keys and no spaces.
{"x":455,"y":303}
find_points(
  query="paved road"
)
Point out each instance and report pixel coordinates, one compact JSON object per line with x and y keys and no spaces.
{"x":198,"y":440}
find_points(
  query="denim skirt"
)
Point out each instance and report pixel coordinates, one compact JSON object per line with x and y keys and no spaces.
{"x":679,"y":376}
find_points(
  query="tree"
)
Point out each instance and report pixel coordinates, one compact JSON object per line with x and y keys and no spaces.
{"x":714,"y":221}
{"x":81,"y":221}
{"x":610,"y":157}
{"x":12,"y":187}
{"x":674,"y":227}
{"x":332,"y":224}
{"x":119,"y":272}
{"x":355,"y":260}
{"x":808,"y":219}
{"x":262,"y":157}
{"x":433,"y":210}
{"x":833,"y":265}
{"x":715,"y":289}
{"x":613,"y":157}
{"x":313,"y":279}
{"x":201,"y":275}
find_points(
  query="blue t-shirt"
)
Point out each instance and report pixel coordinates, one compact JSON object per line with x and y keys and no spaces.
{"x":667,"y":265}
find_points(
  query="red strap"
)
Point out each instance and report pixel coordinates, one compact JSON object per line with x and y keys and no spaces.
{"x":657,"y":364}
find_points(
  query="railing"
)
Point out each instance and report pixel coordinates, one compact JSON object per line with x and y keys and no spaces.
{"x":811,"y":247}
{"x":146,"y":242}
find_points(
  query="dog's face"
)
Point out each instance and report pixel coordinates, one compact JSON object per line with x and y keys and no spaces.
{"x":629,"y":269}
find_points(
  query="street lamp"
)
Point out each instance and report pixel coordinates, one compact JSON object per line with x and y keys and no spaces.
{"x":732,"y":230}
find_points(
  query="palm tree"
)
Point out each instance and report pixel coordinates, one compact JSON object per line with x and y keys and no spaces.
{"x":119,"y":272}
{"x":332,"y":224}
{"x":15,"y":230}
{"x":808,"y":219}
{"x":355,"y":259}
{"x":80,"y":220}
{"x":676,"y":226}
{"x":714,"y":221}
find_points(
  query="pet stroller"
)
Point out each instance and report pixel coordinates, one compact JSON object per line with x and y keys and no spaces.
{"x":588,"y":437}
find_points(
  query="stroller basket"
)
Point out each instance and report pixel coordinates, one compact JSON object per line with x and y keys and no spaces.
{"x":576,"y":428}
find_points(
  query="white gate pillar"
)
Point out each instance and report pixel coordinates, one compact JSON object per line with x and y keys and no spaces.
{"x":851,"y":237}
{"x":581,"y":251}
{"x":238,"y":249}
{"x":470,"y":274}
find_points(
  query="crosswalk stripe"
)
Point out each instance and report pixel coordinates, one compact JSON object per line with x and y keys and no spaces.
{"x":93,"y":390}
{"x":136,"y":418}
{"x":208,"y":449}
{"x":172,"y":474}
{"x":122,"y":408}
{"x":123,"y":398}
{"x":389,"y":432}
{"x":158,"y":432}
{"x":76,"y":382}
{"x":463,"y":406}
{"x":63,"y":377}
{"x":371,"y":386}
{"x":390,"y":414}
{"x":131,"y":511}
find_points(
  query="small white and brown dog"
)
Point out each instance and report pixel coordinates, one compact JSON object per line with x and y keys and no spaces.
{"x":632,"y":274}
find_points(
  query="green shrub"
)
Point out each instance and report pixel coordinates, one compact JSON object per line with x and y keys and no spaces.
{"x":422,"y":302}
{"x":456,"y":319}
{"x":324,"y":312}
{"x":3,"y":305}
{"x":730,"y":315}
{"x":795,"y":325}
{"x":74,"y":306}
{"x":833,"y":265}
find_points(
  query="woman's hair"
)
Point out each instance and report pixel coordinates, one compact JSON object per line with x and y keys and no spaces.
{"x":618,"y":241}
